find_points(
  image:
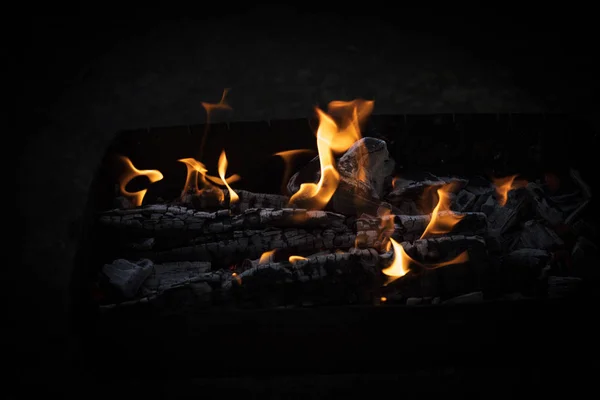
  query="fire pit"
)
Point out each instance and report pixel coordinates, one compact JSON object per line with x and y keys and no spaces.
{"x":347,"y":210}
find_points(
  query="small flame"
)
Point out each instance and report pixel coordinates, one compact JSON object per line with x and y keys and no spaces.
{"x":196,"y":182}
{"x":233,"y":197}
{"x":136,"y":197}
{"x":210,"y":107}
{"x":237,"y":278}
{"x":287,"y":159}
{"x":503,"y":186}
{"x":266,"y":257}
{"x":399,"y":266}
{"x":442,"y":223}
{"x":383,"y":299}
{"x":293,"y":259}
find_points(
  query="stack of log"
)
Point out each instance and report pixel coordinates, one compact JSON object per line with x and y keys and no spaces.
{"x":262,"y":250}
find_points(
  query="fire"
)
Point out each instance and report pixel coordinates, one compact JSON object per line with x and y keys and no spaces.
{"x":399,"y":266}
{"x":196,"y":180}
{"x":442,"y":222}
{"x":503,"y":186}
{"x":293,"y":259}
{"x":400,"y":263}
{"x":386,"y":228}
{"x":233,"y":197}
{"x":332,"y":137}
{"x":136,"y":197}
{"x":210,"y":107}
{"x":266,"y":257}
{"x":287,"y":159}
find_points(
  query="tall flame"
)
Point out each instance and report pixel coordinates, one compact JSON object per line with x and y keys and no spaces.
{"x":233,"y":197}
{"x":503,"y":186}
{"x":210,"y":107}
{"x":399,"y":266}
{"x":287,"y":159}
{"x":442,"y":222}
{"x":132,"y":172}
{"x":333,"y":136}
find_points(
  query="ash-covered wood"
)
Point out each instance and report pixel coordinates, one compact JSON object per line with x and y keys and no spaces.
{"x":249,"y":200}
{"x":411,"y":189}
{"x":503,"y":218}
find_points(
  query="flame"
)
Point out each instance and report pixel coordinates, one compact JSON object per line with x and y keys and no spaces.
{"x":399,"y":266}
{"x":293,"y":259}
{"x":351,"y":115}
{"x":136,"y":197}
{"x":503,"y":186}
{"x":442,"y":223}
{"x":287,"y":159}
{"x":383,"y":299}
{"x":233,"y":197}
{"x":195,"y":181}
{"x":266,"y":257}
{"x":210,"y":107}
{"x":237,"y":278}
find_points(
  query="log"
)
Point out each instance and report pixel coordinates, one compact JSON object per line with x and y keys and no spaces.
{"x":413,"y":189}
{"x":537,"y":236}
{"x":252,"y":243}
{"x":503,"y":218}
{"x":249,"y":200}
{"x":541,"y":206}
{"x":374,"y":231}
{"x":315,"y":267}
{"x":160,"y":220}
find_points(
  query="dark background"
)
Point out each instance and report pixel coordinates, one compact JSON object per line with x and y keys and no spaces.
{"x":84,"y":73}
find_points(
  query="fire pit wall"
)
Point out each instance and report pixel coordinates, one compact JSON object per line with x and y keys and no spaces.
{"x":172,"y":255}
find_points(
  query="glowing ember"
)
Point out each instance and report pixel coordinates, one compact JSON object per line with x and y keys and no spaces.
{"x":399,"y":266}
{"x":233,"y":197}
{"x":132,"y":172}
{"x":503,"y":186}
{"x":237,"y":278}
{"x":293,"y":259}
{"x":383,"y":299}
{"x":266,"y":257}
{"x":441,"y":223}
{"x":287,"y":158}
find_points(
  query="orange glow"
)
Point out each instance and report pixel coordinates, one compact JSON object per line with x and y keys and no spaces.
{"x":233,"y":197}
{"x":237,"y":278}
{"x":132,"y":172}
{"x":399,"y":266}
{"x":210,"y":107}
{"x":266,"y":257}
{"x":195,"y":181}
{"x":293,"y":259}
{"x":383,"y":299}
{"x":287,"y":159}
{"x":503,"y":186}
{"x":441,"y":223}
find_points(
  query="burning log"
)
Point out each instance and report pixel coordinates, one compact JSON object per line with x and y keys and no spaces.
{"x":162,"y":220}
{"x":412,"y":189}
{"x":249,"y":200}
{"x":503,"y":218}
{"x":252,"y":243}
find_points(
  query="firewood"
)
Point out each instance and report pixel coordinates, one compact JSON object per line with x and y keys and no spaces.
{"x":315,"y":267}
{"x":537,"y":236}
{"x":503,"y":218}
{"x":161,"y":220}
{"x":411,"y":189}
{"x":249,"y":200}
{"x":252,"y":243}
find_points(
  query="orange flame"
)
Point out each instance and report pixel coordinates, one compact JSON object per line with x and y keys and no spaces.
{"x":333,"y":137}
{"x":233,"y":197}
{"x":266,"y":257}
{"x":293,"y":259}
{"x":399,"y":266}
{"x":503,"y":186}
{"x":210,"y":107}
{"x":136,"y":197}
{"x":287,"y":159}
{"x":237,"y":278}
{"x":195,"y":181}
{"x":442,"y":223}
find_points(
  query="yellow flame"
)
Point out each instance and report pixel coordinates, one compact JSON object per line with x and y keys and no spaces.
{"x":266,"y":257}
{"x":287,"y":156}
{"x":233,"y":197}
{"x":136,"y":198}
{"x":351,"y":116}
{"x":442,"y":223}
{"x":195,"y":181}
{"x":505,"y":185}
{"x":293,"y":259}
{"x":383,"y":299}
{"x":399,"y":266}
